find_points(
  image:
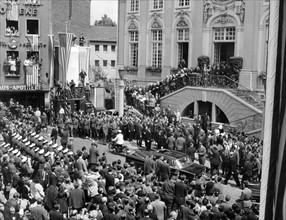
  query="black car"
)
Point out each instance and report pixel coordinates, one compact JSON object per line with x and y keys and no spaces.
{"x":179,"y":162}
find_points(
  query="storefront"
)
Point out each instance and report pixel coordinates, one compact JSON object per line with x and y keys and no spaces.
{"x":20,"y":93}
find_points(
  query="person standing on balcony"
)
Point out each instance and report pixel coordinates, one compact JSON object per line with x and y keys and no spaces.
{"x":82,"y":76}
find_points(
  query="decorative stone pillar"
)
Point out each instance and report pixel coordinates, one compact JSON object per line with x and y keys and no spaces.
{"x":121,"y":97}
{"x":213,"y":112}
{"x":196,"y":108}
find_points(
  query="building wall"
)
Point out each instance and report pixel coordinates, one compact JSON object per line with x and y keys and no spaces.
{"x":101,"y":56}
{"x":25,"y":12}
{"x":248,"y":19}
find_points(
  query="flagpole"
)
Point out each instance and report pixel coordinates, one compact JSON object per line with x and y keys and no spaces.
{"x":66,"y":26}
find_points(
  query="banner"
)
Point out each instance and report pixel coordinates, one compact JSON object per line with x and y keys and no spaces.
{"x":84,"y":53}
{"x":51,"y":60}
{"x":12,"y":12}
{"x":65,"y":40}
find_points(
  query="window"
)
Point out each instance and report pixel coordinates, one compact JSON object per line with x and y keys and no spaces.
{"x":133,"y":48}
{"x":96,"y":47}
{"x":224,"y":43}
{"x":32,"y":26}
{"x":105,"y":63}
{"x":113,"y":63}
{"x":134,"y":5}
{"x":12,"y":64}
{"x":184,"y":3}
{"x":224,"y":34}
{"x":183,"y":47}
{"x":12,"y":28}
{"x":96,"y":62}
{"x":183,"y":34}
{"x":158,"y":4}
{"x":113,"y":48}
{"x":104,"y":47}
{"x":157,"y":39}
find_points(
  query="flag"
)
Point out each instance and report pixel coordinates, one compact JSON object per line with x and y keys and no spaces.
{"x":33,"y":40}
{"x":32,"y":76}
{"x":51,"y":60}
{"x":273,"y":182}
{"x":12,"y":11}
{"x":65,"y":40}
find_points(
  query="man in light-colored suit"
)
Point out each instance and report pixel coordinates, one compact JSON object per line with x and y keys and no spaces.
{"x":93,"y":155}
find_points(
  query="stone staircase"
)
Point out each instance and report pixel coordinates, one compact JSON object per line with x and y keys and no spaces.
{"x":250,"y":97}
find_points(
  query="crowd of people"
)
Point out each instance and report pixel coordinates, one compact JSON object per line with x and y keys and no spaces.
{"x":42,"y":179}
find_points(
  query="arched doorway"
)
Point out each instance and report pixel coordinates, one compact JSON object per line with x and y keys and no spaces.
{"x":202,"y":108}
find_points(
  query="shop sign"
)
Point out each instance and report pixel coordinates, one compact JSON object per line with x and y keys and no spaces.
{"x":16,"y":87}
{"x":31,"y":11}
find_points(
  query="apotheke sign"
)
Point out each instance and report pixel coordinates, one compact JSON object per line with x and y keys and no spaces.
{"x":17,"y":88}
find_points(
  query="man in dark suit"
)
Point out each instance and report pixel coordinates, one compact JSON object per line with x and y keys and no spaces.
{"x":39,"y":211}
{"x":149,"y":165}
{"x":51,"y":197}
{"x":55,"y":213}
{"x":148,"y":138}
{"x":93,"y":154}
{"x":77,"y":198}
{"x":180,"y":192}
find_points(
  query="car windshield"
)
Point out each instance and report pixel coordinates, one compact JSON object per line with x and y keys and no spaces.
{"x":182,"y":162}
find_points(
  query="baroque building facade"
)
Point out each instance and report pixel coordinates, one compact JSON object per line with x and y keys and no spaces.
{"x":153,"y":36}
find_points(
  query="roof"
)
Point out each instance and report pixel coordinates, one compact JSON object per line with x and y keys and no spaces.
{"x":102,"y":33}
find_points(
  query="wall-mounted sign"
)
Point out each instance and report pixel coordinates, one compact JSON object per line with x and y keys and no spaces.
{"x":28,"y":11}
{"x":13,"y":44}
{"x":17,"y":87}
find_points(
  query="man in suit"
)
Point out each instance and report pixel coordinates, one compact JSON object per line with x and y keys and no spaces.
{"x":93,"y":155}
{"x":39,"y":211}
{"x":51,"y":197}
{"x":148,"y":138}
{"x":77,"y":198}
{"x":149,"y":165}
{"x":64,"y":137}
{"x":80,"y":165}
{"x":180,"y":192}
{"x":55,"y":213}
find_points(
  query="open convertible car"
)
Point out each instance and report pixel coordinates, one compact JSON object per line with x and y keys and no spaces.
{"x":179,"y":162}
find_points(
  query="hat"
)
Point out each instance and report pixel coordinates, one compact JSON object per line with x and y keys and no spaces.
{"x":47,"y":154}
{"x":40,"y":138}
{"x":18,"y":154}
{"x":19,"y":138}
{"x":37,"y":149}
{"x":15,"y":151}
{"x":60,"y":148}
{"x":13,"y":135}
{"x":17,"y":135}
{"x":220,"y":127}
{"x":37,"y":136}
{"x":10,"y":149}
{"x":50,"y":143}
{"x":41,"y":151}
{"x":6,"y":145}
{"x":27,"y":143}
{"x":119,"y":131}
{"x":32,"y":145}
{"x":65,"y":151}
{"x":45,"y":141}
{"x":33,"y":134}
{"x":24,"y":159}
{"x":24,"y":140}
{"x":2,"y":144}
{"x":55,"y":146}
{"x":70,"y":153}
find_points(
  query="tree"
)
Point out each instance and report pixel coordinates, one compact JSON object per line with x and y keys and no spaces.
{"x":105,"y":21}
{"x":96,"y":74}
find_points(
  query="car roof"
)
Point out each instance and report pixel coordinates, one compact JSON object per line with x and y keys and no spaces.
{"x":169,"y":154}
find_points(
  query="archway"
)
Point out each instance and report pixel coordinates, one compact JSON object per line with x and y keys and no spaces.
{"x":202,"y":108}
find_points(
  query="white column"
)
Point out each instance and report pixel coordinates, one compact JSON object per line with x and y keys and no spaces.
{"x":173,"y":52}
{"x":190,"y":49}
{"x":207,"y":43}
{"x":196,"y":108}
{"x":213,"y":112}
{"x":238,"y":51}
{"x":121,"y":97}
